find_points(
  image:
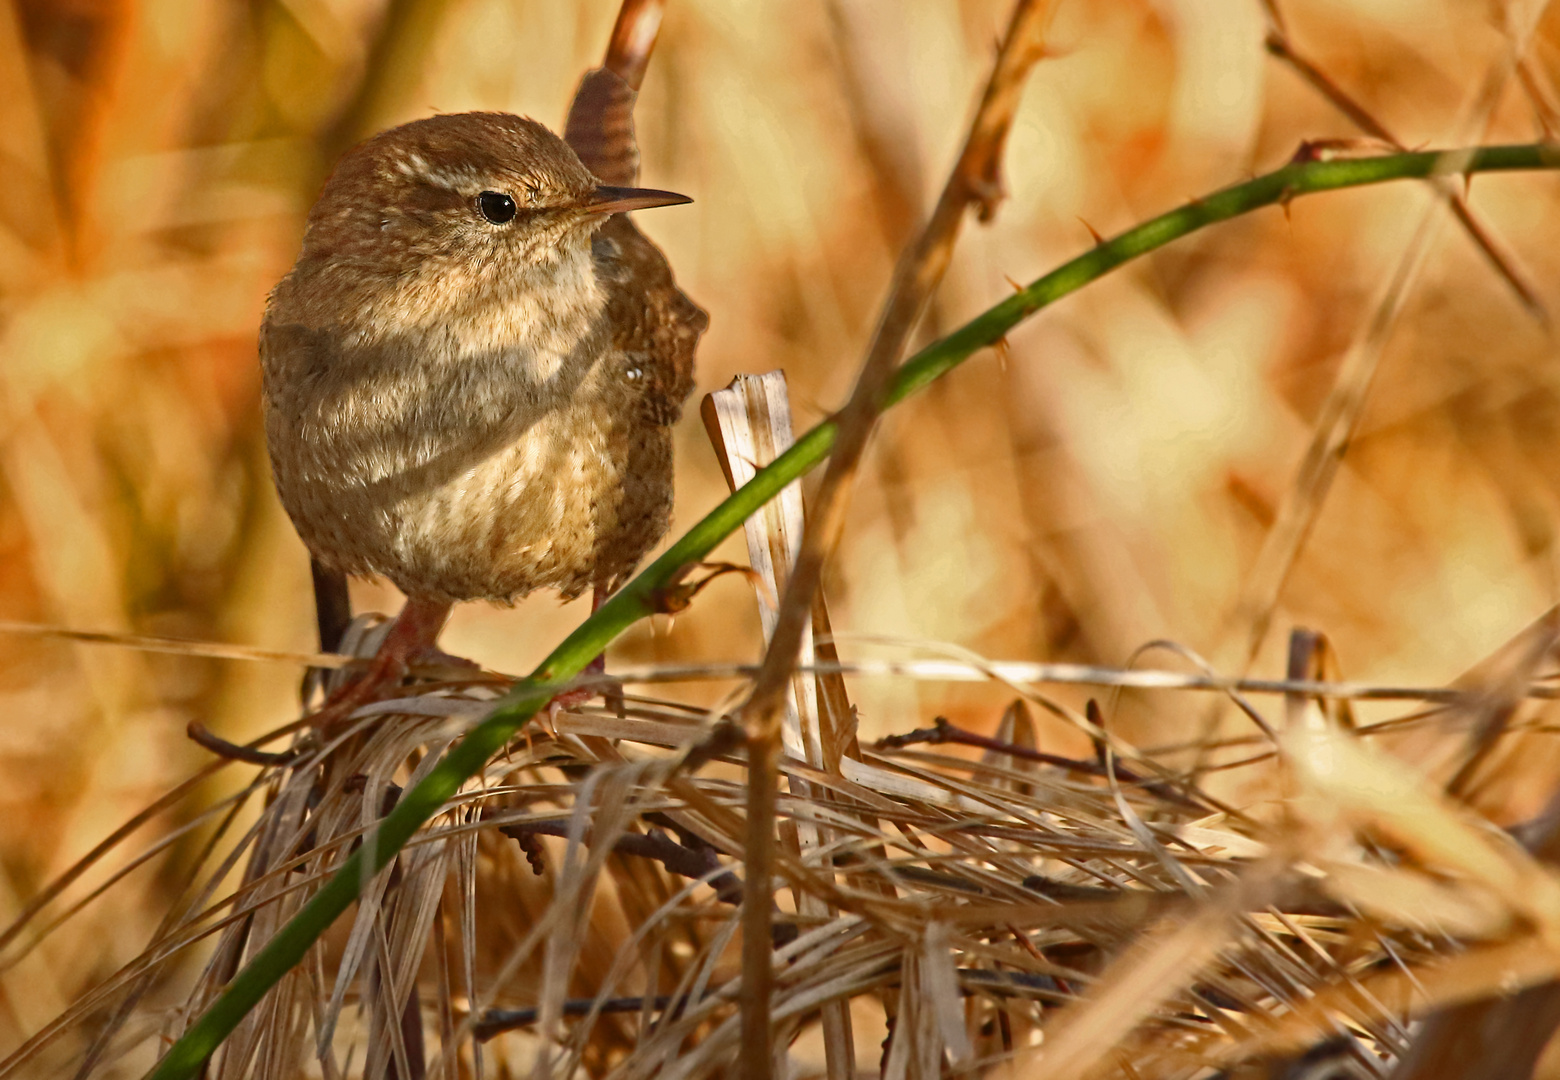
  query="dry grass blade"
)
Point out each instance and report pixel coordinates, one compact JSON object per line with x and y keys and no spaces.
{"x":1500,"y":1036}
{"x":1348,"y":786}
{"x":829,"y":670}
{"x":750,"y":425}
{"x":1161,"y":962}
{"x":175,"y":646}
{"x":1481,"y":972}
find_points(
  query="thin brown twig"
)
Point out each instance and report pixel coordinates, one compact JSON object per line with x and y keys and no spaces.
{"x":942,"y":733}
{"x":1279,"y":46}
{"x":497,"y":1021}
{"x":676,"y":857}
{"x":204,"y":737}
{"x":975,"y":180}
{"x":1504,"y":262}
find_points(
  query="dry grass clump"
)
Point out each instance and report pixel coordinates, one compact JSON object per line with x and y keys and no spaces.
{"x":576,"y":907}
{"x":1343,"y":417}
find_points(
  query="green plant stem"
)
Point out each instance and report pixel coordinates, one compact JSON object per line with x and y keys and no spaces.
{"x":642,"y":596}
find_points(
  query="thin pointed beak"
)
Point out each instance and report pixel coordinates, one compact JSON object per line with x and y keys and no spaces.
{"x":616,"y":200}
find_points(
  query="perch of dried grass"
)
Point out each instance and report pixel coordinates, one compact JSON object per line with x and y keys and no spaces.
{"x":971,"y":902}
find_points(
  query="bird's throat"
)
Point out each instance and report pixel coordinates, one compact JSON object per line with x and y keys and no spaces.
{"x":538,"y":313}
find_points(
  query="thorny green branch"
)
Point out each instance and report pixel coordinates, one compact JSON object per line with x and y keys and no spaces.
{"x":638,"y":599}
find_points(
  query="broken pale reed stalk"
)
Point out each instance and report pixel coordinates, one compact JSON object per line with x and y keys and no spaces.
{"x":749,"y":423}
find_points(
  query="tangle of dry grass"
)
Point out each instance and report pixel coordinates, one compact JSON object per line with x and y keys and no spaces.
{"x":578,"y":905}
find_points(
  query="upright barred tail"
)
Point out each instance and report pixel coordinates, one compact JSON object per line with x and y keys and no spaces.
{"x":601,"y":128}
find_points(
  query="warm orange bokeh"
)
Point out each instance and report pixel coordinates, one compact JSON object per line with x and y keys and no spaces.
{"x":1109,"y":482}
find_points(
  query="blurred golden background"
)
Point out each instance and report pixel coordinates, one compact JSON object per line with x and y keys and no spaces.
{"x":1107,"y":481}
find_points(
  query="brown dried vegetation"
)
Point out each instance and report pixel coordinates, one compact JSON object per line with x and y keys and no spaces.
{"x":1163,"y":883}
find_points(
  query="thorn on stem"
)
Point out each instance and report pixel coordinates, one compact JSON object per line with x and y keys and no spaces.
{"x":676,"y":595}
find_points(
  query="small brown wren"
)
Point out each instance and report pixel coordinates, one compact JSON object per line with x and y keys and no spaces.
{"x":471,"y":373}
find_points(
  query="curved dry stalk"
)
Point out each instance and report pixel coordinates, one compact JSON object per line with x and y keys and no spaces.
{"x":215,"y":650}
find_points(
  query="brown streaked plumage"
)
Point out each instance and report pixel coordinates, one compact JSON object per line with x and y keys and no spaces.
{"x":476,"y":408}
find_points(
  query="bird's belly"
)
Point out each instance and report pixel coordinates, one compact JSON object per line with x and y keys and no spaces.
{"x":573,"y":502}
{"x":525,"y":518}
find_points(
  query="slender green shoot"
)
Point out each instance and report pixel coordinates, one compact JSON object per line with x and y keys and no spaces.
{"x":645,"y":594}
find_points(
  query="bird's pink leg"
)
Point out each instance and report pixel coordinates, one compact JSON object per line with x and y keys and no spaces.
{"x":412,"y":637}
{"x":581,"y":694}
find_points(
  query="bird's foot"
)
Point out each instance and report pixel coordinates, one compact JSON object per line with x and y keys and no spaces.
{"x":610,"y":689}
{"x":379,"y":680}
{"x":435,"y":663}
{"x":409,"y":642}
{"x":569,"y":699}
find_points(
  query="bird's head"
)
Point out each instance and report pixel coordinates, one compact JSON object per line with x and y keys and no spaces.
{"x":458,"y":208}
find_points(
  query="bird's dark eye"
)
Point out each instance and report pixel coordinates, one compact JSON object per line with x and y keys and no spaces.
{"x":496,"y":207}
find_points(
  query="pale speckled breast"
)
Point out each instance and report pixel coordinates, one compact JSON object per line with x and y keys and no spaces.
{"x":540,"y":463}
{"x":573,"y":503}
{"x":564,"y":487}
